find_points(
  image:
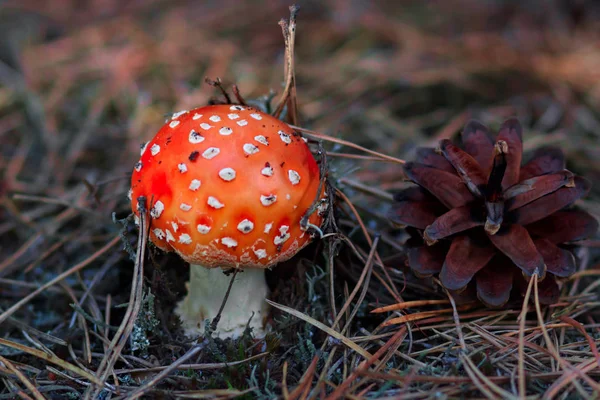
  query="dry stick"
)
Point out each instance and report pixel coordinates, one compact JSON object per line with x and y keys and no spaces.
{"x":331,"y":139}
{"x":289,"y":35}
{"x":135,"y":300}
{"x":219,"y":85}
{"x":217,"y":318}
{"x":34,"y":391}
{"x":238,"y":95}
{"x":59,"y":278}
{"x":292,"y":99}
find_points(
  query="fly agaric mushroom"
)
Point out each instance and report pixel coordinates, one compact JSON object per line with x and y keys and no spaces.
{"x":228,"y":186}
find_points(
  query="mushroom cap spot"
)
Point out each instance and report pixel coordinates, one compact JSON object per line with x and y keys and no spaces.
{"x":205,"y":126}
{"x":155,"y":149}
{"x":214,"y":202}
{"x":242,"y":122}
{"x":178,"y":114}
{"x":173,"y":124}
{"x":215,"y":118}
{"x":227,"y":174}
{"x":268,"y":199}
{"x":143,"y":147}
{"x":260,"y":253}
{"x":211,"y":153}
{"x":249,"y":148}
{"x":267,"y":171}
{"x":170,"y":237}
{"x":157,"y":209}
{"x":261,"y":139}
{"x":268,"y":227}
{"x":281,"y":239}
{"x":294,"y":177}
{"x":256,"y":116}
{"x":233,"y":116}
{"x":285,"y":138}
{"x":225,"y":131}
{"x":129,"y":193}
{"x":203,"y":229}
{"x":195,"y":137}
{"x":185,"y":207}
{"x":195,"y":185}
{"x":138,"y":166}
{"x":182,"y":168}
{"x":229,"y":242}
{"x":245,"y":226}
{"x":184,"y":238}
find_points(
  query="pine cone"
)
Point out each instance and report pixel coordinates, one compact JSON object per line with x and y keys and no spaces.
{"x":480,"y":216}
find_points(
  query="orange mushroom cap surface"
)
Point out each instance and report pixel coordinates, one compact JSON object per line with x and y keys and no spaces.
{"x":227,"y":187}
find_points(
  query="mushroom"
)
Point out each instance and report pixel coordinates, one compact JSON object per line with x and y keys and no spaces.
{"x":228,"y":187}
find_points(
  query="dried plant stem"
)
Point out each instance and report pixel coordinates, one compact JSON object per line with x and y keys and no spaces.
{"x":135,"y":302}
{"x":288,"y":97}
{"x":217,"y":318}
{"x":327,"y":138}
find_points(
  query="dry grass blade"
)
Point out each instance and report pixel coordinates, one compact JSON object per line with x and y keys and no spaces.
{"x":522,"y":319}
{"x":301,"y":391}
{"x":408,"y":304}
{"x":362,"y":279}
{"x":139,"y":392}
{"x":363,"y":366}
{"x":51,"y":358}
{"x":59,"y":278}
{"x":563,"y":363}
{"x":213,"y":394}
{"x":581,"y":329}
{"x":195,"y":367}
{"x":28,"y":384}
{"x":331,"y":332}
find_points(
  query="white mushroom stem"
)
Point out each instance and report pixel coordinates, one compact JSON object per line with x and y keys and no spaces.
{"x":206,"y":290}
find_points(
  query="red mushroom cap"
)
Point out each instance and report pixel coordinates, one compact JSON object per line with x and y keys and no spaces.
{"x":227,"y":187}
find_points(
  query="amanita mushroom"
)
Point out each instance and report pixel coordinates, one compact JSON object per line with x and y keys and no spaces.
{"x":228,"y":187}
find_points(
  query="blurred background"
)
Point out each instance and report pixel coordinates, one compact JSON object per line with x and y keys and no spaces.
{"x":84,"y":82}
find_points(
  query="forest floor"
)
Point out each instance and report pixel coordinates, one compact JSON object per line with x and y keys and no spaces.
{"x":84,"y":83}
